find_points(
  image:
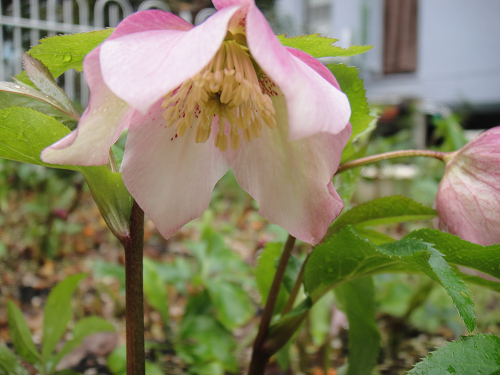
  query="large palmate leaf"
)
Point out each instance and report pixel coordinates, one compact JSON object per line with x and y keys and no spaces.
{"x":479,"y":354}
{"x":24,"y":133}
{"x":320,"y":46}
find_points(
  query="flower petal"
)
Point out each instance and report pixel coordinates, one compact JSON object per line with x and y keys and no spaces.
{"x":100,"y":126}
{"x":171,"y":177}
{"x":469,"y":194}
{"x":292,"y":181}
{"x":220,"y":4}
{"x":314,"y":105}
{"x":142,"y":67}
{"x":147,"y":20}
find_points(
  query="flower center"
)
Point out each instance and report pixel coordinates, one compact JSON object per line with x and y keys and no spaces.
{"x":228,"y":88}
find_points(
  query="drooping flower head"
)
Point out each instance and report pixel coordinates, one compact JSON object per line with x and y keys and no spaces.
{"x":468,"y":200}
{"x":200,"y":100}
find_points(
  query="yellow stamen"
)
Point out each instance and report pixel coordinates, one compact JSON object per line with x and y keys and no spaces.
{"x":228,"y":88}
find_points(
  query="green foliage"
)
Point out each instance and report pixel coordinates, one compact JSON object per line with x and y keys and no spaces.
{"x":9,"y":364}
{"x":155,"y":290}
{"x":352,"y":86}
{"x":346,"y":256}
{"x":24,"y":133}
{"x":393,"y":209}
{"x":63,"y":52}
{"x":57,"y":314}
{"x":264,"y":273}
{"x":320,"y":46}
{"x":357,"y":298}
{"x":478,"y":354}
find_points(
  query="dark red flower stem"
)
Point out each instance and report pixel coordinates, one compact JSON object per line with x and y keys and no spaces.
{"x":134,"y":295}
{"x":391,"y":155}
{"x":260,"y":356}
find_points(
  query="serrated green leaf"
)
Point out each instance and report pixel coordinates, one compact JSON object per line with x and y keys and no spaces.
{"x":346,"y":256}
{"x":478,"y":354}
{"x":264,"y":273}
{"x":353,"y":87}
{"x":63,"y":52}
{"x":463,"y":253}
{"x":358,"y":300}
{"x":320,"y":46}
{"x":24,"y":133}
{"x":58,"y":312}
{"x":83,"y":328}
{"x":21,"y":336}
{"x":393,"y":209}
{"x":9,"y":364}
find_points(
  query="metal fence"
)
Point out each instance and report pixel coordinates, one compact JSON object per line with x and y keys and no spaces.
{"x":24,"y":22}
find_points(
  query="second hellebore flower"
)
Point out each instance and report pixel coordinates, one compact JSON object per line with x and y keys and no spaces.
{"x":468,"y":200}
{"x":284,"y":119}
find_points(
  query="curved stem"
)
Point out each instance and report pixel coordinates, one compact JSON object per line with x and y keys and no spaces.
{"x":295,"y":290}
{"x":391,"y":155}
{"x":259,"y":355}
{"x":134,"y":303}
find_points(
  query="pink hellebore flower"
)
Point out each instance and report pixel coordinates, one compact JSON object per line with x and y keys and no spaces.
{"x":285,"y":120}
{"x":468,"y":199}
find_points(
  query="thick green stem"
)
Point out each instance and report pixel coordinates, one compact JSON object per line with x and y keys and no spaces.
{"x":391,"y":155}
{"x":134,"y":304}
{"x":259,"y":355}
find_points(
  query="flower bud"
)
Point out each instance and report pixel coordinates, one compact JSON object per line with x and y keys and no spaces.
{"x":468,"y":199}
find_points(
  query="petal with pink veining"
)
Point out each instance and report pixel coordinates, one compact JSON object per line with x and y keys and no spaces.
{"x":314,"y":104}
{"x":170,"y":177}
{"x":292,"y":180}
{"x":100,"y":126}
{"x":142,"y":67}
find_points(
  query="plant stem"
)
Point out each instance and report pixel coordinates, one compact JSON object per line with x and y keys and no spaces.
{"x":134,"y":295}
{"x":296,"y":288}
{"x":391,"y":155}
{"x":259,"y":355}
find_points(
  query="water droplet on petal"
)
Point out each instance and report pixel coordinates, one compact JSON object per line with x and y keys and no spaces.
{"x":17,"y":86}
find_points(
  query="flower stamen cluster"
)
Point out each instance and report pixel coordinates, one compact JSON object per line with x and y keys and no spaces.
{"x":228,"y":87}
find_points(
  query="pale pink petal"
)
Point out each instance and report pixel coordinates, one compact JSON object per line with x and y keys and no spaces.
{"x":468,"y":198}
{"x":220,"y":4}
{"x":100,"y":126}
{"x":142,"y":67}
{"x":314,"y":104}
{"x":313,"y":63}
{"x":147,"y":20}
{"x":170,"y":177}
{"x":292,"y":181}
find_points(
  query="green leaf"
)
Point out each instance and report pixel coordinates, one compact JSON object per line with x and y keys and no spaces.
{"x":63,"y":52}
{"x":462,"y":253}
{"x":21,"y":95}
{"x":352,"y":86}
{"x":117,"y":360}
{"x":24,"y":133}
{"x":387,"y":210}
{"x":9,"y":364}
{"x":83,"y":328}
{"x":346,"y":256}
{"x":39,"y":74}
{"x":320,"y":46}
{"x":478,"y":354}
{"x":155,"y":290}
{"x":358,"y":300}
{"x":58,"y":312}
{"x":21,"y":336}
{"x":264,"y":273}
{"x":234,"y":307}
